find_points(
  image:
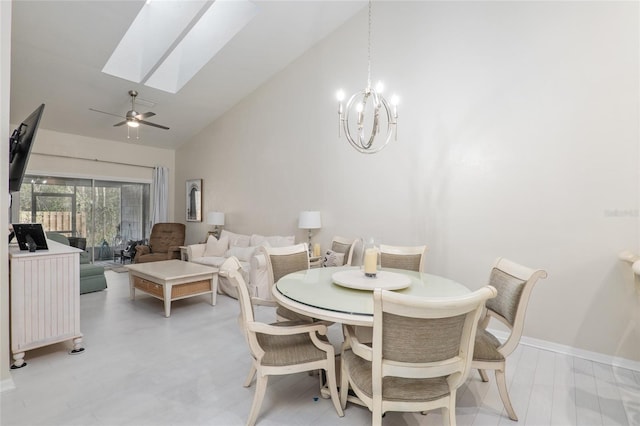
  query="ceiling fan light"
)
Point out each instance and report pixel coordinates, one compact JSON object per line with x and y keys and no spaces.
{"x":132,"y":123}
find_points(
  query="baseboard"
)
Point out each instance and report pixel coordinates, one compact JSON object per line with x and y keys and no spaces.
{"x":568,"y":350}
{"x":7,"y":384}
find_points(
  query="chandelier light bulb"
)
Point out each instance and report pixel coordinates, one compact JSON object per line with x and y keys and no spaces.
{"x":379,"y":87}
{"x":340,"y":95}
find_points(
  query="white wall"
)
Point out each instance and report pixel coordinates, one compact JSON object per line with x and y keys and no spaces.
{"x":5,"y":86}
{"x":140,"y":159}
{"x":518,"y":137}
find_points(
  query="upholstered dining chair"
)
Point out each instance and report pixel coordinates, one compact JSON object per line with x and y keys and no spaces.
{"x":420,"y":354}
{"x":402,"y":257}
{"x":280,"y":262}
{"x":346,"y":247}
{"x":514,"y":283}
{"x":280,"y":348}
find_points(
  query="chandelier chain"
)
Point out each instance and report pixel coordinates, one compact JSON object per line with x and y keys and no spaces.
{"x":369,"y":50}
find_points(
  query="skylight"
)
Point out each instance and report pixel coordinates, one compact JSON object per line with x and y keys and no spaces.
{"x":170,"y":41}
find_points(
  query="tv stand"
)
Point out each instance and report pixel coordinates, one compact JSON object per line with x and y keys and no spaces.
{"x":45,"y":307}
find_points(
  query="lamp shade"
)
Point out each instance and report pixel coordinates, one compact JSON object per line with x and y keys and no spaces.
{"x":309,"y":220}
{"x":215,"y":218}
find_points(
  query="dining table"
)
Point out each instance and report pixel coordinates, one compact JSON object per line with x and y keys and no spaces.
{"x":344,"y":294}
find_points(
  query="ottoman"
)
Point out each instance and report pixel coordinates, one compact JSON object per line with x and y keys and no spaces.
{"x":92,"y":278}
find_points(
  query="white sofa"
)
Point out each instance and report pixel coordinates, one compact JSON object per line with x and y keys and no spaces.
{"x":254,"y":267}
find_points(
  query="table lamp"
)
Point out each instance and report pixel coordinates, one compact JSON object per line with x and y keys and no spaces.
{"x":309,"y":220}
{"x":217,"y":220}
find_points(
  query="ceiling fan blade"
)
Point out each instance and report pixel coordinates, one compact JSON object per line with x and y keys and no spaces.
{"x":153,"y":124}
{"x":120,"y":123}
{"x":108,"y":113}
{"x":145,"y":115}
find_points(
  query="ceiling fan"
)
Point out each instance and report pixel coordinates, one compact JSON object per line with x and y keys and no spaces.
{"x":134,"y":118}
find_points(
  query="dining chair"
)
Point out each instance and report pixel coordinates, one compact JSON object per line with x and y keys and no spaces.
{"x":280,"y":348}
{"x":514,"y":283}
{"x":282,"y":261}
{"x":345,"y":246}
{"x":403,"y":257}
{"x":420,"y":354}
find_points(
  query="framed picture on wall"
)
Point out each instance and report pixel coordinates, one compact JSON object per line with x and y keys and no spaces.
{"x":194,"y":200}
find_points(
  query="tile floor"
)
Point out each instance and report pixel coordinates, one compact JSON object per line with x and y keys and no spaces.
{"x":140,"y":368}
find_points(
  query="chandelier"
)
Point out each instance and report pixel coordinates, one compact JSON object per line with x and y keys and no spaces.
{"x":371,"y":113}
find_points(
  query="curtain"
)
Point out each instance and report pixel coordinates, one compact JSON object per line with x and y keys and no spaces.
{"x":160,"y":199}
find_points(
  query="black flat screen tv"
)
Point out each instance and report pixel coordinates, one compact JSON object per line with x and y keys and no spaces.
{"x":20,"y":145}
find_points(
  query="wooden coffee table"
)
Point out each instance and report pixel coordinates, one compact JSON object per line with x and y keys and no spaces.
{"x":170,"y":280}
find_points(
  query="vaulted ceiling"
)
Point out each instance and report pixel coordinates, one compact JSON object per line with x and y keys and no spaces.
{"x":59,"y":49}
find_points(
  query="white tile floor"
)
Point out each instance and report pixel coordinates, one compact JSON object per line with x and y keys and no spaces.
{"x":140,"y":368}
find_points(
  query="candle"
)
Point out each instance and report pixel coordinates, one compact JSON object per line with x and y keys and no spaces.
{"x":370,"y":262}
{"x":316,"y":249}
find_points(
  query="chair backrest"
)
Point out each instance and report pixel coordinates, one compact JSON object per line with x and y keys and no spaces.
{"x":59,"y":238}
{"x":422,"y":338}
{"x":230,"y":270}
{"x":346,"y":246}
{"x":403,"y":257}
{"x":165,"y":235}
{"x":284,"y":260}
{"x":514,"y":283}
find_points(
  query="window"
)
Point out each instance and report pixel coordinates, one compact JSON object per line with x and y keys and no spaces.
{"x":120,"y":210}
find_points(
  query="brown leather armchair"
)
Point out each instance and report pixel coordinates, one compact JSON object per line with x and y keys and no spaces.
{"x":164,"y":243}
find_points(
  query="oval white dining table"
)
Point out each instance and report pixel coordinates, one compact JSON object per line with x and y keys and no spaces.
{"x":314,"y":293}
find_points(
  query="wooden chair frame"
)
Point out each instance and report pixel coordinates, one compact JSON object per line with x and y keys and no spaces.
{"x":267,"y":252}
{"x":402,"y":251}
{"x":455,"y":369}
{"x":349,"y":254}
{"x":252,"y":328}
{"x":530,"y":277}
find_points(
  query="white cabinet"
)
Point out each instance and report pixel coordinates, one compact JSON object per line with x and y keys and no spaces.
{"x":45,"y":298}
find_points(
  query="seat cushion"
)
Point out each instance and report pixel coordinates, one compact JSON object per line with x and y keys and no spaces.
{"x":215,"y":261}
{"x":394,"y":388}
{"x":289,"y":349}
{"x":224,"y":286}
{"x":486,"y":347}
{"x":88,"y":270}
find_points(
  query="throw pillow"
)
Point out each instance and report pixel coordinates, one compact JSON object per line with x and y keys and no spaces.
{"x":236,"y":240}
{"x":216,"y":248}
{"x":333,"y":258}
{"x":242,"y":253}
{"x":272,"y":241}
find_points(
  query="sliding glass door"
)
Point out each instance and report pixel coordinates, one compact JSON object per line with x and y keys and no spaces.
{"x":103,"y":215}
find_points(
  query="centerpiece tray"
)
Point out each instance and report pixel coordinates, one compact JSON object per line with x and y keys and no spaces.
{"x":355,"y":278}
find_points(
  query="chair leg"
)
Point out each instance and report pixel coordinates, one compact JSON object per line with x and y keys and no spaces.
{"x":376,"y":415}
{"x":446,"y":417}
{"x":483,"y":375}
{"x":449,"y":412}
{"x":344,"y":386}
{"x":333,"y":388}
{"x":252,"y":372}
{"x":261,"y":387}
{"x":504,"y":395}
